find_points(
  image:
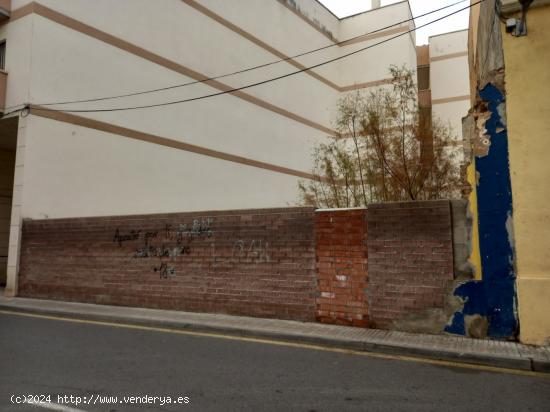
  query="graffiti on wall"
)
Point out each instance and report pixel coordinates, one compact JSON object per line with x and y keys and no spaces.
{"x":164,"y":270}
{"x":173,"y":242}
{"x":242,"y":251}
{"x":170,"y":242}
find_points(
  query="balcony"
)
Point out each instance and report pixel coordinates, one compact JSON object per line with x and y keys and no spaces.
{"x":3,"y":85}
{"x":5,"y":9}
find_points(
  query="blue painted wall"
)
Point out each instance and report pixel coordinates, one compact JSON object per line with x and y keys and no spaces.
{"x":493,"y":297}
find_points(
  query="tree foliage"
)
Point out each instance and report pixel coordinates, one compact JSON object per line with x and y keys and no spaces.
{"x":384,"y":151}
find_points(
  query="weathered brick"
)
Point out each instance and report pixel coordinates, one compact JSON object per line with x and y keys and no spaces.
{"x":410,"y":258}
{"x":244,"y":262}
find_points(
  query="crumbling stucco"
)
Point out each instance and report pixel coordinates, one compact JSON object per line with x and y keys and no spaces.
{"x":462,"y":239}
{"x":489,"y":57}
{"x":490,"y":304}
{"x":476,"y":326}
{"x":431,"y":321}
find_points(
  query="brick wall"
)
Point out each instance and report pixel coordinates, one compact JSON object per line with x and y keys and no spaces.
{"x":342,"y":266}
{"x":410,"y":259}
{"x":254,"y":262}
{"x":290,"y":263}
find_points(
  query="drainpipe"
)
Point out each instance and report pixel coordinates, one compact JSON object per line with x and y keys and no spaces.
{"x":375,"y":4}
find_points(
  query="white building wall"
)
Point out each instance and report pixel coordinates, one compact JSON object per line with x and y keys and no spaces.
{"x":373,"y":64}
{"x":52,"y":62}
{"x":247,"y":150}
{"x":18,"y":61}
{"x":103,"y":174}
{"x":319,"y":15}
{"x":450,"y":83}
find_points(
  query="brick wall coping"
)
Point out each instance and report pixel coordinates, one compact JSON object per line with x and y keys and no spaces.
{"x":408,"y":204}
{"x":228,"y":212}
{"x":340,"y":209}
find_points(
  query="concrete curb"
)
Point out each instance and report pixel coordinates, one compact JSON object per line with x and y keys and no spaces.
{"x":485,"y":359}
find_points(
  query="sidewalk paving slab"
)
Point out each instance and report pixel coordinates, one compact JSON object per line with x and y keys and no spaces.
{"x":440,"y":347}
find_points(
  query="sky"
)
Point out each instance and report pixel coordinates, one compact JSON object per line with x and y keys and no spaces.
{"x":459,"y":21}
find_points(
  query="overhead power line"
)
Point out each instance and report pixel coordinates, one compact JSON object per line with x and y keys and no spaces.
{"x":263,"y":81}
{"x":261,"y":66}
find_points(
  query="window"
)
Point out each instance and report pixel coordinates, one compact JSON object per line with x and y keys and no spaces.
{"x":423,"y":74}
{"x":3,"y":55}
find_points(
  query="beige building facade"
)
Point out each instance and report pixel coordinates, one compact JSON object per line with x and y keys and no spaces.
{"x":527,"y":85}
{"x":507,"y":128}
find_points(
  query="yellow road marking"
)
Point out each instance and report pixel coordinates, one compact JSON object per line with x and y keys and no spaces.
{"x":287,"y":344}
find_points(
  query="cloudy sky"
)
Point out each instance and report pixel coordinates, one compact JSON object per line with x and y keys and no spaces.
{"x":458,"y":21}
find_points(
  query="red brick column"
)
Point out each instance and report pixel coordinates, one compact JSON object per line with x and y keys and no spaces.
{"x":342,"y":266}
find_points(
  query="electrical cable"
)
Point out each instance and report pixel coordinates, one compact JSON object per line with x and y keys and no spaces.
{"x":250,"y":68}
{"x":260,"y":82}
{"x":14,"y":111}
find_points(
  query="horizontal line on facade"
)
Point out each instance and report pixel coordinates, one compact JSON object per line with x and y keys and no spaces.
{"x":52,"y":15}
{"x":450,"y":99}
{"x":330,"y":36}
{"x":347,"y":135}
{"x":107,"y":38}
{"x":448,"y":32}
{"x":163,"y":141}
{"x":29,"y":8}
{"x":368,"y":84}
{"x":243,"y":33}
{"x":448,"y":56}
{"x":253,"y":39}
{"x":384,"y":33}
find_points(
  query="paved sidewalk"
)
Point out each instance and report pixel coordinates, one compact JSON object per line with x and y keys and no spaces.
{"x":441,"y":347}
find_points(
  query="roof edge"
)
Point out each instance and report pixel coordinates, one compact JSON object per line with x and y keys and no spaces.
{"x":363,"y":12}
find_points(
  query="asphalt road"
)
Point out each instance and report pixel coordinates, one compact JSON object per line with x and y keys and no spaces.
{"x":58,"y":358}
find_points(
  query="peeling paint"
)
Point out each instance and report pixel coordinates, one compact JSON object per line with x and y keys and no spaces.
{"x":482,"y":142}
{"x":494,"y":297}
{"x":510,"y":231}
{"x":469,"y":192}
{"x":502,"y":114}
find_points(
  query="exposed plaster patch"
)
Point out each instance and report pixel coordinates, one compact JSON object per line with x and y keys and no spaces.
{"x":495,"y":78}
{"x":502,"y":115}
{"x":455,"y":322}
{"x":501,"y":109}
{"x":462,"y":239}
{"x":482,"y":141}
{"x":430,"y":320}
{"x":476,"y":326}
